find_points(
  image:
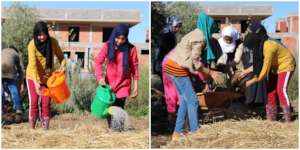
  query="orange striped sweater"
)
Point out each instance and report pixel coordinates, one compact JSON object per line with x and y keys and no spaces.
{"x":171,"y":67}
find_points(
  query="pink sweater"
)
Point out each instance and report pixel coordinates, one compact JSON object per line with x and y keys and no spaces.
{"x":120,"y":84}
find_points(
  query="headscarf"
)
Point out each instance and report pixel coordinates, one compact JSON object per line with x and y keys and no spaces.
{"x":120,"y":29}
{"x":173,"y":21}
{"x":228,"y":48}
{"x":254,"y":40}
{"x":208,"y":27}
{"x":43,"y":47}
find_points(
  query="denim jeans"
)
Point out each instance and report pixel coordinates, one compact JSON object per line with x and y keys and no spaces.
{"x":188,"y":104}
{"x":10,"y":86}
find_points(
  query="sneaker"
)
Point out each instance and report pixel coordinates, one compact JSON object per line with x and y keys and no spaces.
{"x":287,"y":114}
{"x":177,"y":136}
{"x":18,"y":118}
{"x":19,"y":111}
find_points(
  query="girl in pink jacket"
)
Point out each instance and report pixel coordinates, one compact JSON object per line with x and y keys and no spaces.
{"x":121,"y":60}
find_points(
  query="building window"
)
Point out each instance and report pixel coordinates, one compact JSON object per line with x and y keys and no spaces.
{"x":106,"y":34}
{"x":73,"y":34}
{"x":144,"y":51}
{"x":80,"y":58}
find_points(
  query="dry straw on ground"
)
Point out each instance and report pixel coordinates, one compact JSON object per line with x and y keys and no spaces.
{"x":74,"y":131}
{"x":250,"y":133}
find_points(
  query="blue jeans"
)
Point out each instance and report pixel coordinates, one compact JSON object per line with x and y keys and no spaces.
{"x":10,"y":86}
{"x":188,"y":104}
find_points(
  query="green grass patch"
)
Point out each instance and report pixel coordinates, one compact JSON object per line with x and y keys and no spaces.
{"x":139,"y":106}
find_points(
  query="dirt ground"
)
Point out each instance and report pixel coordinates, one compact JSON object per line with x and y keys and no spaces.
{"x":252,"y":133}
{"x":248,"y":132}
{"x":76,"y":131}
{"x":234,"y":127}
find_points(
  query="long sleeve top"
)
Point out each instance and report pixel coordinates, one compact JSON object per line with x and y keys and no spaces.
{"x":36,"y":68}
{"x":120,"y":83}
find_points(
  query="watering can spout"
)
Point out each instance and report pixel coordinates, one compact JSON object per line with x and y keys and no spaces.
{"x":106,"y":112}
{"x":109,"y":110}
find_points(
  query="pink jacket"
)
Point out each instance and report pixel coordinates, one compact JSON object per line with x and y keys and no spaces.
{"x":120,"y":84}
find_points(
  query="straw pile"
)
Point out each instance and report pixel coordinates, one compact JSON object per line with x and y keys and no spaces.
{"x":76,"y":131}
{"x":251,"y":133}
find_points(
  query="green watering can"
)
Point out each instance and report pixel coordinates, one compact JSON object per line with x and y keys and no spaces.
{"x":102,"y":101}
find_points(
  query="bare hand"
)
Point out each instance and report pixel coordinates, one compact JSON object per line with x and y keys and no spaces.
{"x":246,"y":72}
{"x":206,"y":88}
{"x":217,"y":77}
{"x":135,"y":90}
{"x":62,"y":68}
{"x":250,"y":82}
{"x":102,"y":81}
{"x":243,"y":74}
{"x":21,"y":88}
{"x":37,"y":88}
{"x":134,"y":93}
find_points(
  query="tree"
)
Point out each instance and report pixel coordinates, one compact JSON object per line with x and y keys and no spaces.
{"x":158,"y":17}
{"x":188,"y":14}
{"x":187,"y":11}
{"x":17,"y":28}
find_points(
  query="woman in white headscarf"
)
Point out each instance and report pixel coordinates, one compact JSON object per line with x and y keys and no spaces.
{"x":230,"y":46}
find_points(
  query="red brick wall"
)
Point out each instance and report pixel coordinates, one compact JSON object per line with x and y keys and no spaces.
{"x":281,"y":26}
{"x":97,"y":35}
{"x":285,"y":25}
{"x":84,"y":33}
{"x":63,"y":33}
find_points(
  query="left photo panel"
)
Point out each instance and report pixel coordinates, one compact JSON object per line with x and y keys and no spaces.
{"x":75,"y":74}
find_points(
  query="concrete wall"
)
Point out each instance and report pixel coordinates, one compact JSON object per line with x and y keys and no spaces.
{"x":293,"y":24}
{"x":90,"y":41}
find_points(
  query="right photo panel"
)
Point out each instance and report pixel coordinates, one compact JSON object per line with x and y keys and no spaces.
{"x":224,"y":74}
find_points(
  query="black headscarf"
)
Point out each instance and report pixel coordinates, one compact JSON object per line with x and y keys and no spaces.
{"x":254,"y":40}
{"x":120,"y":29}
{"x":43,"y":47}
{"x":167,"y":37}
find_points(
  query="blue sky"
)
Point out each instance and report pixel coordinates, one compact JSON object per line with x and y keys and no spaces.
{"x":280,"y":10}
{"x":137,"y":32}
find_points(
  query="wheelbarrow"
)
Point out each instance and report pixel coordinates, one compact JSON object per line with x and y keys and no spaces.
{"x":217,"y":99}
{"x":214,"y":105}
